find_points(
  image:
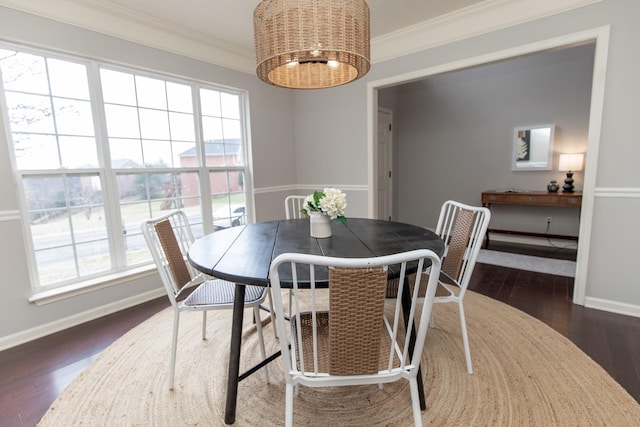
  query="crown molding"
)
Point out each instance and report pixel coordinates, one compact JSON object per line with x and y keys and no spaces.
{"x":128,"y":24}
{"x":124,"y":23}
{"x":481,"y":18}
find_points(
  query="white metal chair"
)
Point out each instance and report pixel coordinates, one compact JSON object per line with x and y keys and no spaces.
{"x":169,"y":237}
{"x":463,"y":229}
{"x":342,"y":337}
{"x":293,"y":205}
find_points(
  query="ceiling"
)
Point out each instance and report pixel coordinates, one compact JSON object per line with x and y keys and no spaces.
{"x":221,"y":31}
{"x":231,"y":21}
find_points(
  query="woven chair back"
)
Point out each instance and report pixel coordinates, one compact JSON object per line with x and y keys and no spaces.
{"x":173,"y":254}
{"x":356,"y":304}
{"x":458,"y":242}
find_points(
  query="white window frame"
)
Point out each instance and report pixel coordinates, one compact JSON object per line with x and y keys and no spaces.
{"x":119,"y":271}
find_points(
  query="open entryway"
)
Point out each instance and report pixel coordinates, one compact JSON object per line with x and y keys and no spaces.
{"x":596,"y":37}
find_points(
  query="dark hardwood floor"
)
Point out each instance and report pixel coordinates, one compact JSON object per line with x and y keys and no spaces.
{"x":34,"y":374}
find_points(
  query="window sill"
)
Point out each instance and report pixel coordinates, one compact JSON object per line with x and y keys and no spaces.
{"x":69,"y":291}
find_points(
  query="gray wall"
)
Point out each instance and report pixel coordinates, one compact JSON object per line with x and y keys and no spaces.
{"x":453,"y":136}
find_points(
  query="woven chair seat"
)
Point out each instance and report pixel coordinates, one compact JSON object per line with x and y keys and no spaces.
{"x":218,"y":291}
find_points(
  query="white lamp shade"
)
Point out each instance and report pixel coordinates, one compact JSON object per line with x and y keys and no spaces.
{"x":570,"y":162}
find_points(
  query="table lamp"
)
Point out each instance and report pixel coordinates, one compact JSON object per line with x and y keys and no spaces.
{"x":570,"y":163}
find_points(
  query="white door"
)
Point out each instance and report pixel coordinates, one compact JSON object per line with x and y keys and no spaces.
{"x":385,"y":175}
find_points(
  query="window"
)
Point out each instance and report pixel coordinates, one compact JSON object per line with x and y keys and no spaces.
{"x":98,"y":149}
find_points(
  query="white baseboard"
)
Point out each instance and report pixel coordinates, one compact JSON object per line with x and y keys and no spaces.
{"x":77,"y":319}
{"x":612,"y":306}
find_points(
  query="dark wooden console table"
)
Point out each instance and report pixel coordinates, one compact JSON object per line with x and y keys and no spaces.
{"x":530,"y":198}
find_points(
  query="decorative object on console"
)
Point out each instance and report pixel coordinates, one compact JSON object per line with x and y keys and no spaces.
{"x":533,"y":148}
{"x":570,"y":163}
{"x":311,"y":44}
{"x":553,"y":186}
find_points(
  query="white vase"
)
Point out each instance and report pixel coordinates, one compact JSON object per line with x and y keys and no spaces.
{"x":319,"y":225}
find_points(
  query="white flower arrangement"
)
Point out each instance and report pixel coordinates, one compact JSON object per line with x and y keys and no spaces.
{"x":331,"y":202}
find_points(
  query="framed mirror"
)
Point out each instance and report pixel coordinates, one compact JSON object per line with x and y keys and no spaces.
{"x":532,"y":148}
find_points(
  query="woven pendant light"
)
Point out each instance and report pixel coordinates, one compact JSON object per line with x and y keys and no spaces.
{"x":311,"y":44}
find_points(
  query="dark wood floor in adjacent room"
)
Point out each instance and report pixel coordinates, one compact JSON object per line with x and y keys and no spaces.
{"x":34,"y":374}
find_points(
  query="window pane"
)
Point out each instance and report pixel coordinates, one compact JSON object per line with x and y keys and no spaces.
{"x":211,"y":128}
{"x":229,"y":207}
{"x":230,"y":105}
{"x":68,"y":79}
{"x":50,"y":227}
{"x":23,"y":72}
{"x":78,"y":152}
{"x":35,"y":151}
{"x":179,"y":97}
{"x":186,"y":154}
{"x":157,"y":154}
{"x":122,"y":121}
{"x":233,"y":153}
{"x":231,"y":129}
{"x":56,"y":265}
{"x":73,"y":117}
{"x":143,"y":196}
{"x":154,"y":124}
{"x":38,"y":122}
{"x":30,"y":113}
{"x":182,"y":127}
{"x":151,"y":93}
{"x":210,"y":102}
{"x":65,"y":213}
{"x":214,"y":152}
{"x":135,"y":246}
{"x":93,"y":257}
{"x":117,"y":87}
{"x":125,"y":153}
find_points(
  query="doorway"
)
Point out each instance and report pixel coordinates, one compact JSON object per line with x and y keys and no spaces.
{"x":385,"y":164}
{"x":599,"y":36}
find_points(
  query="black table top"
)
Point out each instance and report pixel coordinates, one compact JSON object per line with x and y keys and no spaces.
{"x":243,"y":254}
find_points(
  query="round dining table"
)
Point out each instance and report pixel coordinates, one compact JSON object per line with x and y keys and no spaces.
{"x":243,"y":255}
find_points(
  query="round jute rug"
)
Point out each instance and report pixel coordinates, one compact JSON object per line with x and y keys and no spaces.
{"x":526,"y":374}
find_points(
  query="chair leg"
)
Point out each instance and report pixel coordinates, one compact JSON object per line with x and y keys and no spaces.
{"x":415,"y":402}
{"x":288,"y":412}
{"x":174,"y":346}
{"x":273,"y":313}
{"x":204,"y":325}
{"x":256,"y":315}
{"x":465,"y":338}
